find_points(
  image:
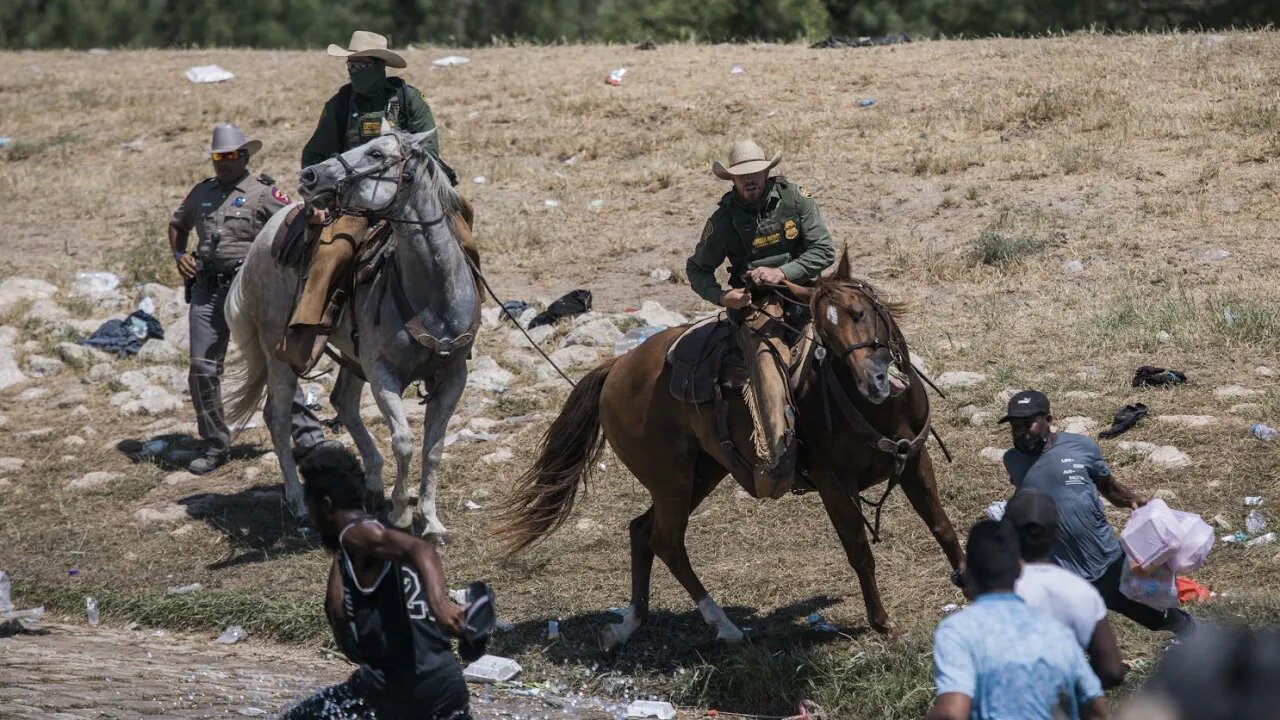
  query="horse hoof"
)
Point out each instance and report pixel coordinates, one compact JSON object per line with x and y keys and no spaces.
{"x":891,"y":631}
{"x":607,"y":638}
{"x":736,"y":637}
{"x":401,"y":519}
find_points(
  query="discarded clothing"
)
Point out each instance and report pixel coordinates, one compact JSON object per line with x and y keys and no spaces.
{"x":1125,"y":418}
{"x":573,"y":303}
{"x":1190,"y":591}
{"x":838,"y":41}
{"x":513,"y":309}
{"x":125,"y":337}
{"x":1148,"y":376}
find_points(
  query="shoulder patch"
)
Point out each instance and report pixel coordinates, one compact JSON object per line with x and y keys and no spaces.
{"x":804,"y":191}
{"x":279,"y":196}
{"x":707,"y":230}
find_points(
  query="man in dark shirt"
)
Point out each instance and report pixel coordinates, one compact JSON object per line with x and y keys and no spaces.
{"x":387,"y":606}
{"x":1070,"y":469}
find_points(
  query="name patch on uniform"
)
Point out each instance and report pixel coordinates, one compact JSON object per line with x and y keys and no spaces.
{"x":371,"y":127}
{"x":766,"y":240}
{"x":707,"y":230}
{"x":279,"y":196}
{"x":238,"y":202}
{"x":804,"y":192}
{"x":791,"y":230}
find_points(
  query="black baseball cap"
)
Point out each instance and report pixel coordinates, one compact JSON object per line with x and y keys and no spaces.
{"x":1028,"y":403}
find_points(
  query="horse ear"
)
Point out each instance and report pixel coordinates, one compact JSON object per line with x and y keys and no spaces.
{"x":843,"y":271}
{"x":419,"y":140}
{"x":800,"y":292}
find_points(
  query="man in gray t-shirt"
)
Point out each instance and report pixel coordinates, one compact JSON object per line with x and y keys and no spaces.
{"x":1070,"y":469}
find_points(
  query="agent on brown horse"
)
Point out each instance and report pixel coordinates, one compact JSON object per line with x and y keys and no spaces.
{"x":858,"y":427}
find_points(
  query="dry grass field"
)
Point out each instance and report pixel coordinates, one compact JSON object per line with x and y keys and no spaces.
{"x":980,"y":170}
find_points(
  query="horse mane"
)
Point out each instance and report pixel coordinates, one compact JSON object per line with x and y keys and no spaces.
{"x":448,"y":198}
{"x":830,"y":285}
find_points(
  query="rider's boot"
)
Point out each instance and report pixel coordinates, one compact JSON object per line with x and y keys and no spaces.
{"x":313,"y":316}
{"x":772,"y":417}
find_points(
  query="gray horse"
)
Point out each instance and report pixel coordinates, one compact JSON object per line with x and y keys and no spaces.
{"x":394,"y":178}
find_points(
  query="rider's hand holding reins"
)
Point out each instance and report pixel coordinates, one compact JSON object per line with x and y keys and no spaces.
{"x":766,"y":276}
{"x":736,"y":298}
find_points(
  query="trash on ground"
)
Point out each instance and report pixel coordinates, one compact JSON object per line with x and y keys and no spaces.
{"x":1158,"y":536}
{"x":553,"y":630}
{"x":232,"y":635}
{"x":1073,"y":267}
{"x":513,"y":309}
{"x":635,"y":337}
{"x":736,"y":70}
{"x":479,"y":179}
{"x":472,"y":505}
{"x":820,"y":624}
{"x":1255,"y":522}
{"x":1156,"y":589}
{"x":5,"y":140}
{"x":504,"y":626}
{"x":6,"y":589}
{"x":94,"y":284}
{"x":1190,"y":591}
{"x":836,"y":42}
{"x":491,"y":669}
{"x":147,"y":305}
{"x":134,"y":145}
{"x":1215,"y":255}
{"x":551,"y":203}
{"x":1261,"y":540}
{"x":91,"y":610}
{"x":949,"y":608}
{"x":1234,"y":538}
{"x":1148,"y":376}
{"x":1163,"y":336}
{"x":1252,"y":500}
{"x":125,"y":337}
{"x":1263,"y":432}
{"x":98,"y":51}
{"x":995,"y":511}
{"x":660,"y":274}
{"x":866,"y":102}
{"x":573,"y":303}
{"x":615,"y":77}
{"x":467,"y":435}
{"x":184,"y":589}
{"x":450,"y":61}
{"x":1229,"y":317}
{"x":651,"y":709}
{"x":208,"y":74}
{"x":252,"y":711}
{"x":1125,"y":418}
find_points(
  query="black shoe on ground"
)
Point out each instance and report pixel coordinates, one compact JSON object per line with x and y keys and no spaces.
{"x":207,"y":464}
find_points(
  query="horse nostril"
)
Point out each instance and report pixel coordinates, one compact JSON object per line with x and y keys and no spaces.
{"x":880,"y":377}
{"x":308,"y":176}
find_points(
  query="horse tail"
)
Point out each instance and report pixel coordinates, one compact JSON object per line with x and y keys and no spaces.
{"x":544,"y":495}
{"x":250,"y":376}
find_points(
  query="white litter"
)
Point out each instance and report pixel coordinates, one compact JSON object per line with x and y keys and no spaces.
{"x":472,"y":505}
{"x":660,"y":274}
{"x":450,"y":61}
{"x":1261,"y":540}
{"x":1215,"y":255}
{"x":208,"y":74}
{"x":736,"y":70}
{"x":231,"y":635}
{"x":1073,"y":267}
{"x":651,"y":709}
{"x":950,"y":608}
{"x":995,"y":511}
{"x":492,"y":668}
{"x":551,"y":203}
{"x":1253,"y":500}
{"x":479,"y":179}
{"x":252,"y":711}
{"x":184,"y":589}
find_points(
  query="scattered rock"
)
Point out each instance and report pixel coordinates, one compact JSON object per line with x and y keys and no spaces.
{"x":992,"y":455}
{"x":955,"y":379}
{"x":498,"y":457}
{"x":1168,"y":456}
{"x":1079,"y":424}
{"x":10,"y":375}
{"x":467,"y":435}
{"x":1004,"y":396}
{"x":1165,"y":494}
{"x":1264,"y":371}
{"x":574,"y":355}
{"x":1234,"y":391}
{"x":46,"y":314}
{"x":660,"y":274}
{"x":73,"y":441}
{"x":1137,"y":448}
{"x":30,"y":394}
{"x":652,"y":313}
{"x":35,"y":434}
{"x":539,"y":335}
{"x":166,"y":514}
{"x":490,"y":317}
{"x":587,"y":524}
{"x":71,"y":396}
{"x":97,"y":480}
{"x":42,"y":365}
{"x":596,"y":333}
{"x":1087,"y":372}
{"x":1222,"y":523}
{"x":100,"y":372}
{"x":1190,"y":421}
{"x":918,"y":361}
{"x":1081,"y":395}
{"x":160,"y":352}
{"x":180,"y":477}
{"x":153,"y":401}
{"x":9,"y":465}
{"x":1245,"y":409}
{"x":486,"y":374}
{"x":17,"y":290}
{"x":251,"y":474}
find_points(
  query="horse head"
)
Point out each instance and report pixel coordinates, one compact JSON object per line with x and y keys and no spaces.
{"x":366,"y":179}
{"x":856,"y":327}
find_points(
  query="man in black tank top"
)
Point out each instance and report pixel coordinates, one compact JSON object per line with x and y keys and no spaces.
{"x":387,"y":605}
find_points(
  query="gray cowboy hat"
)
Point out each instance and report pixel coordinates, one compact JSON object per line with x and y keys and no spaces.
{"x":745,"y":158}
{"x":365,"y":44}
{"x":228,"y":137}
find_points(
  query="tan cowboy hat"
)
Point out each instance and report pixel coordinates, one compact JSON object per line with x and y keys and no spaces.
{"x":228,"y":137}
{"x":745,"y":158}
{"x":368,"y":44}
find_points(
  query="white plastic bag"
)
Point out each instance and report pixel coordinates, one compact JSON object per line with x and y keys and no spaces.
{"x":1151,"y":537}
{"x":1194,"y":543}
{"x":1157,"y":589}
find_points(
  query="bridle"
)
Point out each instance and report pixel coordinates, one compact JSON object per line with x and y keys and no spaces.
{"x":406,"y":172}
{"x":881,"y":320}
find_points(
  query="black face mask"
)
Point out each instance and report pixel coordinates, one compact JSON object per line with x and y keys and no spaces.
{"x":1030,"y":444}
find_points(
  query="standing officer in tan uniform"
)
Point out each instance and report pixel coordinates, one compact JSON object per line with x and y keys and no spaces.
{"x":769,"y":229}
{"x":351,"y":118}
{"x":226,"y":211}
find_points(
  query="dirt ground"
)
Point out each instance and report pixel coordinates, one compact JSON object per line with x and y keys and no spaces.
{"x":981,"y":169}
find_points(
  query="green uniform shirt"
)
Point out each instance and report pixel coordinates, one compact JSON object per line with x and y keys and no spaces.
{"x":786,"y":231}
{"x":363,"y":120}
{"x":227,"y":219}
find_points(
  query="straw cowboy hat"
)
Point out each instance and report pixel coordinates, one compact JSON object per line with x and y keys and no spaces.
{"x":228,"y":137}
{"x":745,"y":158}
{"x":365,"y":44}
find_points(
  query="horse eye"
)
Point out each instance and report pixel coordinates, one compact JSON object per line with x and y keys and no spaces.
{"x":375,"y":154}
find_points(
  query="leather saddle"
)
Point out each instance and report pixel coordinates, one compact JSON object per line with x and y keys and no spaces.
{"x":704,"y":359}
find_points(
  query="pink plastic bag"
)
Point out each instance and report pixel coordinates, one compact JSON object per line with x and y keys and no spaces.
{"x":1157,"y":536}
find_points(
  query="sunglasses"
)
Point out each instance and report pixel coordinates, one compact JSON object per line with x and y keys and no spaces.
{"x":232,"y":155}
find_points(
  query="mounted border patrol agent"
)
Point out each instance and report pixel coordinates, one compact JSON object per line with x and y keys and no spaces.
{"x":770,"y":230}
{"x":226,"y":211}
{"x":352,"y":117}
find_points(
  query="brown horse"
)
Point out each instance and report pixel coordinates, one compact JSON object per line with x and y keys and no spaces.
{"x":853,"y":434}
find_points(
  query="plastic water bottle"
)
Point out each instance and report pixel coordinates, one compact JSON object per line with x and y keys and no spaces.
{"x":1255,"y":522}
{"x":1263,"y":432}
{"x":634,"y":338}
{"x":91,"y":608}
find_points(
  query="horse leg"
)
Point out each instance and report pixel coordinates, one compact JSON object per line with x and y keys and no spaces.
{"x":278,"y":413}
{"x":921,"y":489}
{"x":847,"y":518}
{"x":444,"y":398}
{"x":386,"y":390}
{"x":346,"y":401}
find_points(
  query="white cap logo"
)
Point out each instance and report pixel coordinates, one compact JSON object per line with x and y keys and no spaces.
{"x":1025,"y":401}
